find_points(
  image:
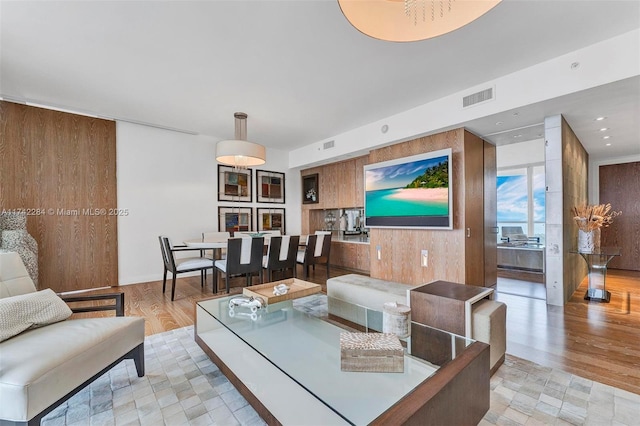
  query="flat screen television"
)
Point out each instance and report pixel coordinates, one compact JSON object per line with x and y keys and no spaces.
{"x":410,"y":192}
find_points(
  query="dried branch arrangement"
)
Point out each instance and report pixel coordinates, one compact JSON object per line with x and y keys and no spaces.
{"x":589,"y":218}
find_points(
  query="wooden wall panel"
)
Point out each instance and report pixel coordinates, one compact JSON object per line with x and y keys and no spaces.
{"x":346,"y":177}
{"x":400,"y":257}
{"x":620,"y":186}
{"x":474,"y":209}
{"x":452,"y":256}
{"x":575,"y":169}
{"x":490,"y":216}
{"x":65,"y":165}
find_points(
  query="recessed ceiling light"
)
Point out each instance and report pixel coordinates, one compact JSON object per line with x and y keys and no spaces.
{"x":600,"y":118}
{"x":606,"y":137}
{"x":516,"y":113}
{"x":604,"y":129}
{"x":608,"y":144}
{"x":517,"y":136}
{"x":499,"y":123}
{"x":575,"y":65}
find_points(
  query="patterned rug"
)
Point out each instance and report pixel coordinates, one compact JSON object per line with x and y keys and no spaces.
{"x":183,"y":387}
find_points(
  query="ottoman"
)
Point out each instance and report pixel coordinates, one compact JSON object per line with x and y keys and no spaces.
{"x":490,"y":326}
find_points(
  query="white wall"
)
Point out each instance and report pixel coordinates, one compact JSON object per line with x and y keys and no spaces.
{"x":168,"y":182}
{"x":518,"y":154}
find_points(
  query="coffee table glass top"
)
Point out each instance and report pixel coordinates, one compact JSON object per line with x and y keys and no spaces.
{"x":307,"y":349}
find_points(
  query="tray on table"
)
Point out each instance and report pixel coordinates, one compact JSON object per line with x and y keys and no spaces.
{"x":297,"y":288}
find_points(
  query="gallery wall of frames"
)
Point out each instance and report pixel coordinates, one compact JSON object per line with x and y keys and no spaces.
{"x":236,"y":186}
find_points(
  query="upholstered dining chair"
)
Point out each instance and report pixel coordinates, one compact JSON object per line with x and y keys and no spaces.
{"x":281,"y":254}
{"x":215,"y":237}
{"x":180,"y":265}
{"x":244,"y":257}
{"x":316,"y":252}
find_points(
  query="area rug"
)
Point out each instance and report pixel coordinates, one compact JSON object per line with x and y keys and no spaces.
{"x":183,"y":387}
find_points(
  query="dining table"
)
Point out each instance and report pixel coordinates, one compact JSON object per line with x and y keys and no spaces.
{"x":199,"y":243}
{"x":216,"y":245}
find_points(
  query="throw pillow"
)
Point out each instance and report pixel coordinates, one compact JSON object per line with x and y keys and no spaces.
{"x":31,"y":310}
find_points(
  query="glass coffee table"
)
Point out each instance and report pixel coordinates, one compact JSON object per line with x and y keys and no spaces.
{"x":286,"y":363}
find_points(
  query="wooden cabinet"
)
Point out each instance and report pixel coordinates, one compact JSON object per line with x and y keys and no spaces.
{"x":340,"y":185}
{"x":350,"y":256}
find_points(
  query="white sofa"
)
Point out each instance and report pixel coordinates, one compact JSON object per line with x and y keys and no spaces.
{"x":41,"y":368}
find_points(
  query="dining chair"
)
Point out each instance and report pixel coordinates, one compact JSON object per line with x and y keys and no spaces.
{"x":316,"y":252}
{"x":215,"y":237}
{"x":244,"y":257}
{"x":180,"y":265}
{"x":281,"y":255}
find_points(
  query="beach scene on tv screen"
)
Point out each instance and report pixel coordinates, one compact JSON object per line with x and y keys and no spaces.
{"x":417,"y":188}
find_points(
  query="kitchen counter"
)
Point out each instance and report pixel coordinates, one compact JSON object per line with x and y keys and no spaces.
{"x":527,"y":257}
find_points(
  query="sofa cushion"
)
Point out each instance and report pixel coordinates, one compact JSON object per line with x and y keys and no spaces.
{"x":38,"y":366}
{"x":31,"y":310}
{"x":14,"y":278}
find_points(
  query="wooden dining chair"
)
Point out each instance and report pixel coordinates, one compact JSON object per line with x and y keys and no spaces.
{"x":316,"y":252}
{"x":281,"y":255}
{"x":244,"y":257}
{"x":180,"y":265}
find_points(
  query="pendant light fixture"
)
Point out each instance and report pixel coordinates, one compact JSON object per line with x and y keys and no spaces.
{"x":412,"y":20}
{"x":239,"y":152}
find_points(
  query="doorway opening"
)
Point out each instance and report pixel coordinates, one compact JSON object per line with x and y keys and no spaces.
{"x":521,"y":219}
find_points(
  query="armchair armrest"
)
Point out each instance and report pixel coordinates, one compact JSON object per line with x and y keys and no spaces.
{"x":117,"y":306}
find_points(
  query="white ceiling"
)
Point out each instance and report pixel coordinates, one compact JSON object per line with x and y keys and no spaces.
{"x":298,"y":68}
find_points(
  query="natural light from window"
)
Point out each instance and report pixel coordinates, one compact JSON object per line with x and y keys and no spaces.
{"x":520,"y":194}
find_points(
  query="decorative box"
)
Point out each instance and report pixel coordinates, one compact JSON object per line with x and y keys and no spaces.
{"x":371,"y":352}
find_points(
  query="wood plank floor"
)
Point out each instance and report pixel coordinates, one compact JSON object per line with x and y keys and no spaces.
{"x":594,"y":340}
{"x":598,"y":341}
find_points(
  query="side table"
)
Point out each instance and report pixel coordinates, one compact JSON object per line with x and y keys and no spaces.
{"x":446,"y":305}
{"x":597,"y":262}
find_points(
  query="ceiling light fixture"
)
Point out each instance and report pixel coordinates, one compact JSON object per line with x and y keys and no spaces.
{"x":239,"y":152}
{"x":606,"y":137}
{"x":412,"y":20}
{"x":604,"y":129}
{"x":600,"y":118}
{"x":608,"y":144}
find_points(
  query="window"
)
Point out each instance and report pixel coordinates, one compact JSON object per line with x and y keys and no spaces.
{"x":520,"y":194}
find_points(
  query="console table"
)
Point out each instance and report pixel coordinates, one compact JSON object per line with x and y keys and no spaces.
{"x":597,"y":262}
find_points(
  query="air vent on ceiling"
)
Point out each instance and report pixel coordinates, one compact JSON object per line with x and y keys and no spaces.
{"x":476,"y":98}
{"x":328,"y":145}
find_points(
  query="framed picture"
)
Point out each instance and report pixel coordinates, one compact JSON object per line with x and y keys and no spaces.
{"x":234,"y":184}
{"x":310,"y":189}
{"x":269,"y":187}
{"x":271,"y":220}
{"x":235,"y":219}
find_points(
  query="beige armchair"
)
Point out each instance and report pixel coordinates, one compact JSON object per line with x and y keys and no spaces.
{"x":40,"y":368}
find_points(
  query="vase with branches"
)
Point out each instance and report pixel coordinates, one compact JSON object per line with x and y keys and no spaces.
{"x":590,"y":219}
